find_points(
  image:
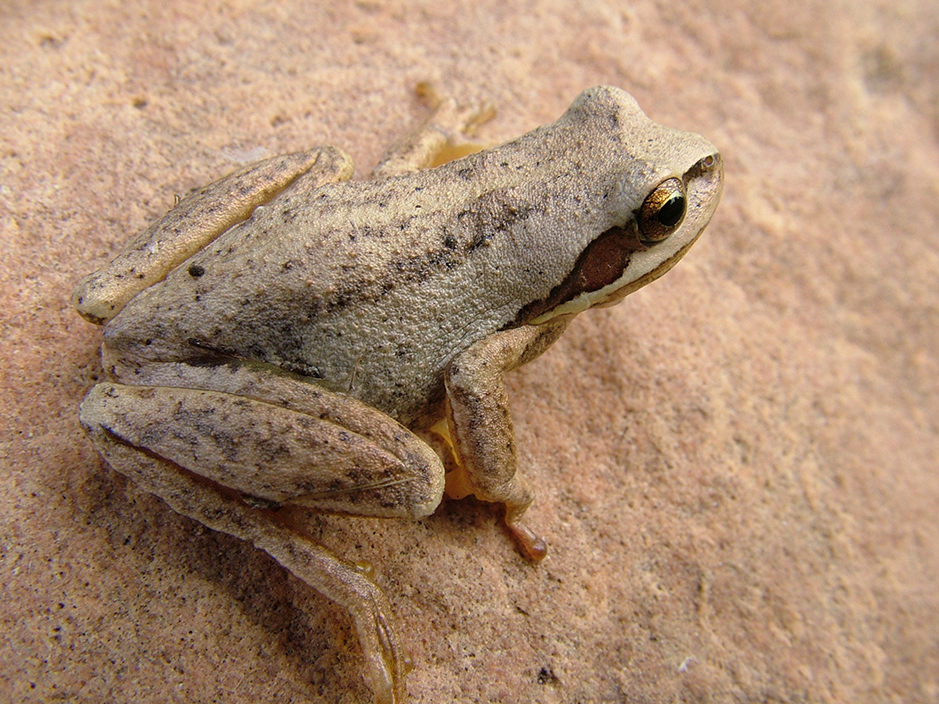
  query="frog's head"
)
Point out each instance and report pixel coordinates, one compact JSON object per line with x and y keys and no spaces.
{"x":663,"y":186}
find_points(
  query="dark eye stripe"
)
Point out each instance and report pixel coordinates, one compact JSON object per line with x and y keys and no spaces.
{"x":600,"y":264}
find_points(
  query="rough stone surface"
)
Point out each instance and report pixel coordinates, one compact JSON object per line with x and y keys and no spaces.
{"x":737,"y":465}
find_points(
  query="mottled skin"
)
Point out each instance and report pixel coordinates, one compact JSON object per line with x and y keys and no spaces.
{"x":305,"y":355}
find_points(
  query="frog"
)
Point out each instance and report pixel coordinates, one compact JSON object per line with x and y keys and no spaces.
{"x":289,"y":338}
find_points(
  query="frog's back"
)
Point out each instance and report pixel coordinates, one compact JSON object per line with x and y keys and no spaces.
{"x":373,"y":287}
{"x":366,"y":287}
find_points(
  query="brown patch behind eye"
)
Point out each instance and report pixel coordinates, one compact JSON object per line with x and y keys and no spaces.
{"x":600,"y":264}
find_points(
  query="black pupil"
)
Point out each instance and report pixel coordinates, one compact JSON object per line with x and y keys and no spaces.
{"x":672,"y":210}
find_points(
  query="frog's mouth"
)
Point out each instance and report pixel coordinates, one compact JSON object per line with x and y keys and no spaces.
{"x":619,"y":261}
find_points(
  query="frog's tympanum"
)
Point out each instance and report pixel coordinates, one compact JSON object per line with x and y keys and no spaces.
{"x":288,"y":337}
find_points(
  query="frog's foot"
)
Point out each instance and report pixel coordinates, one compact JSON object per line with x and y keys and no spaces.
{"x":199,"y":219}
{"x":463,"y":118}
{"x":517,"y":499}
{"x":532,"y":545}
{"x":445,"y":136}
{"x":224,"y":444}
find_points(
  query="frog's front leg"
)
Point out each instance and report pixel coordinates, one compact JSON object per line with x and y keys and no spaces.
{"x":480,"y":425}
{"x":197,"y":220}
{"x":445,"y":135}
{"x":228,"y":445}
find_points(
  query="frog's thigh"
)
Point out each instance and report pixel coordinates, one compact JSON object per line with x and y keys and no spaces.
{"x":335,"y":578}
{"x":272,"y":452}
{"x":445,"y":136}
{"x":481,"y":426}
{"x":197,"y":220}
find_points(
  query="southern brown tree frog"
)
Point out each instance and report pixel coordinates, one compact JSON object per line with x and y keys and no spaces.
{"x":286,"y":336}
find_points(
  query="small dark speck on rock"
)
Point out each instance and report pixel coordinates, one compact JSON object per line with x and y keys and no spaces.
{"x":546,"y":676}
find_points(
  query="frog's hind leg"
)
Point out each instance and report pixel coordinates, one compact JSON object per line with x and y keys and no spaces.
{"x":445,"y":135}
{"x":197,"y":220}
{"x":337,"y":579}
{"x":227,"y":445}
{"x":271,"y":437}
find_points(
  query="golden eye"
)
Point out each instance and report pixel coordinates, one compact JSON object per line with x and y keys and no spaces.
{"x":662,"y":211}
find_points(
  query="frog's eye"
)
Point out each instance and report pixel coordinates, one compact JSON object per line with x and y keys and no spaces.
{"x":662,"y":211}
